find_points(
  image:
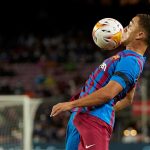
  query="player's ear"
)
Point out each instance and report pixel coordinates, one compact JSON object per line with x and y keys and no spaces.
{"x":140,"y":35}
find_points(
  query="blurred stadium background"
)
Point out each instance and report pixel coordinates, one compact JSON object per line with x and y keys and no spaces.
{"x":46,"y":54}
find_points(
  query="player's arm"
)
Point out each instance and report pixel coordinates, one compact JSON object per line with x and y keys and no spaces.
{"x":126,"y":101}
{"x":98,"y":97}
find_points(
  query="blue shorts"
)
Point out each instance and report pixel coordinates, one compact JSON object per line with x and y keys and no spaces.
{"x":72,"y":135}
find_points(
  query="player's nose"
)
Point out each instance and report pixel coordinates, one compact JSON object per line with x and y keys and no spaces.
{"x":125,"y":29}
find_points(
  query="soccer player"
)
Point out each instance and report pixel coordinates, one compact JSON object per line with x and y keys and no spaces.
{"x":109,"y":88}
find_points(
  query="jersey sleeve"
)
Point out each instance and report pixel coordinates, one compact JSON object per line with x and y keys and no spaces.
{"x":127,"y":71}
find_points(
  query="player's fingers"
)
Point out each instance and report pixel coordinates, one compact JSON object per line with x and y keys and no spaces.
{"x":57,"y":112}
{"x":55,"y":107}
{"x":54,"y":110}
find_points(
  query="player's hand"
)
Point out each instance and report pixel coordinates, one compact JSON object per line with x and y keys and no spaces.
{"x":61,"y":107}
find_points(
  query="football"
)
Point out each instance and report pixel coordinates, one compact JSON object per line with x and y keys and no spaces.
{"x":107,"y":33}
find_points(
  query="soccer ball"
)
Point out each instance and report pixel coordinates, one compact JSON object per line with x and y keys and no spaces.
{"x":107,"y":33}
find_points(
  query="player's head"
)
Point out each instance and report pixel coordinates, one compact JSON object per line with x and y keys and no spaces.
{"x":137,"y":30}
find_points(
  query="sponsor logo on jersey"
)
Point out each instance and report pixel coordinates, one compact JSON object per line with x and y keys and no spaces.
{"x":103,"y":66}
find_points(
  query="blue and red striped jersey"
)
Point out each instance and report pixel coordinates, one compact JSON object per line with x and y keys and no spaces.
{"x":125,"y":68}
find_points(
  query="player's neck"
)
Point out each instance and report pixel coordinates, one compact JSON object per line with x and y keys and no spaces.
{"x":139,"y":48}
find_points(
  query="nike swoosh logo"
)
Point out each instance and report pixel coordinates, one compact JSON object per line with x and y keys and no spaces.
{"x":88,"y":146}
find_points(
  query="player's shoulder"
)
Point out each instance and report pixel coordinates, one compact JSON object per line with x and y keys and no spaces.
{"x":131,"y":55}
{"x":129,"y":60}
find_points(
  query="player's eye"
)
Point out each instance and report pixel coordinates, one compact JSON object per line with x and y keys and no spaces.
{"x":128,"y":26}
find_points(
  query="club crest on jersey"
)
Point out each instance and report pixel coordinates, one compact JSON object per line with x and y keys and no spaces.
{"x":115,"y":57}
{"x":103,"y":66}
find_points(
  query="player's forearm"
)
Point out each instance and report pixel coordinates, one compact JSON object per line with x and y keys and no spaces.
{"x":97,"y":98}
{"x":122,"y":104}
{"x":126,"y":101}
{"x":100,"y":96}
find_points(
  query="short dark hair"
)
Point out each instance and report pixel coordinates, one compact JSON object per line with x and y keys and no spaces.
{"x":144,"y":22}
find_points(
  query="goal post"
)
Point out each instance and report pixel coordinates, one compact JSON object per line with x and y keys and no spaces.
{"x":16,"y":121}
